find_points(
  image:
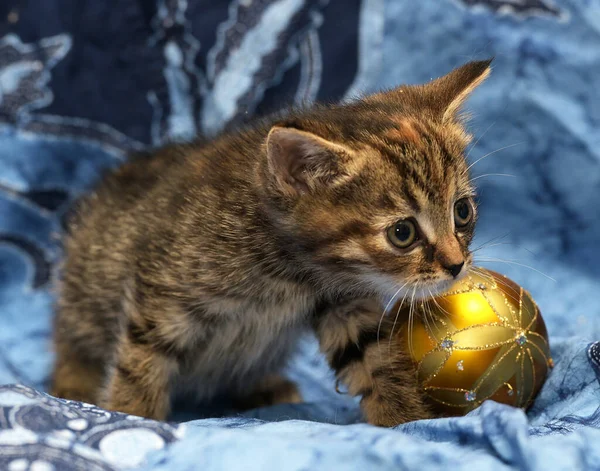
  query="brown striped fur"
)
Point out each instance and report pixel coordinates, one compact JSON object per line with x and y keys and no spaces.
{"x":194,"y":268}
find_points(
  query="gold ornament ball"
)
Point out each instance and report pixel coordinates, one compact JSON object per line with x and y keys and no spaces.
{"x":483,"y":339}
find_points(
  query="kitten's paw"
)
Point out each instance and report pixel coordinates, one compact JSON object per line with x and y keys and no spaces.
{"x":385,"y":412}
{"x":272,"y":390}
{"x":72,"y":394}
{"x":75,"y":381}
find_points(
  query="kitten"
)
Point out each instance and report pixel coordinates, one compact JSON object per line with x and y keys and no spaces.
{"x":196,"y":267}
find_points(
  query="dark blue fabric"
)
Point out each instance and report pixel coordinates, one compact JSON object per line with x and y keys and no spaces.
{"x":83,"y":82}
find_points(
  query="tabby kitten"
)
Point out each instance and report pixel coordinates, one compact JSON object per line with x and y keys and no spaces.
{"x":195,"y":268}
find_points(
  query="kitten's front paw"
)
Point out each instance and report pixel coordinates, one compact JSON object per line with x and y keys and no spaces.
{"x":272,"y":390}
{"x":388,"y":411}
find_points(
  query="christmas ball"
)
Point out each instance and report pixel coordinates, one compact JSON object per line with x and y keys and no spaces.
{"x":483,"y":339}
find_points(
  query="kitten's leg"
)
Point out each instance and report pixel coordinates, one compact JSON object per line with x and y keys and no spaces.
{"x":369,"y":364}
{"x":274,"y":389}
{"x":75,"y":379}
{"x":139,"y":383}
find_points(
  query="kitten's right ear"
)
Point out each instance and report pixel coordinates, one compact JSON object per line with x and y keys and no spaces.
{"x":447,"y":94}
{"x":442,"y":97}
{"x":301,"y":161}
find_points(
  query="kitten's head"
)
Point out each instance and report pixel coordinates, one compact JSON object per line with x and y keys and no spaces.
{"x":376,"y":194}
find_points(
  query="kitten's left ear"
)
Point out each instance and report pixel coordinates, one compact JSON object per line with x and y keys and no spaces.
{"x":445,"y":95}
{"x":301,"y":161}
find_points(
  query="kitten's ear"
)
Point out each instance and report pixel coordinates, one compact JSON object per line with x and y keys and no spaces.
{"x":301,"y":161}
{"x":442,"y":97}
{"x":446,"y":95}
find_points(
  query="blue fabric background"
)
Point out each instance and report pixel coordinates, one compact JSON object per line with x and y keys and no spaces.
{"x":83,"y":82}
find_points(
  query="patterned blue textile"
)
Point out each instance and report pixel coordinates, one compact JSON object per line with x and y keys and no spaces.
{"x":83,"y":82}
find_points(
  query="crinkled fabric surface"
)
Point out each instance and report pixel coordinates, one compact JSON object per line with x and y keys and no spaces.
{"x":84,"y":82}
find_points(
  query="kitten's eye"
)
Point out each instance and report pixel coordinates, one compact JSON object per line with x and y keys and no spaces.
{"x":463,"y":213}
{"x":403,"y":234}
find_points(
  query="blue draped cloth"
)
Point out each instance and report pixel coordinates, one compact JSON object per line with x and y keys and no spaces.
{"x":82,"y":83}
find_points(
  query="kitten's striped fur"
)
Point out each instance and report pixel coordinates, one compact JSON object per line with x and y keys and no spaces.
{"x":196,"y":267}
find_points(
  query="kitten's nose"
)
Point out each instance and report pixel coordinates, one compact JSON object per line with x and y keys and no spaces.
{"x":455,"y":269}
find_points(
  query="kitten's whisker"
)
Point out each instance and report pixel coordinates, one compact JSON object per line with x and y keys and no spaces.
{"x":520,"y":247}
{"x":488,"y":244}
{"x":482,"y":272}
{"x":439,"y":306}
{"x":427,"y":306}
{"x":493,"y":239}
{"x":511,"y":262}
{"x":426,"y":319}
{"x":477,"y":142}
{"x":411,"y":325}
{"x":515,"y":293}
{"x":394,"y":324}
{"x":384,"y":312}
{"x":498,"y":281}
{"x":432,"y":298}
{"x":493,"y":152}
{"x":398,"y":312}
{"x":412,"y":305}
{"x":492,"y":175}
{"x":393,"y":297}
{"x":410,"y":322}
